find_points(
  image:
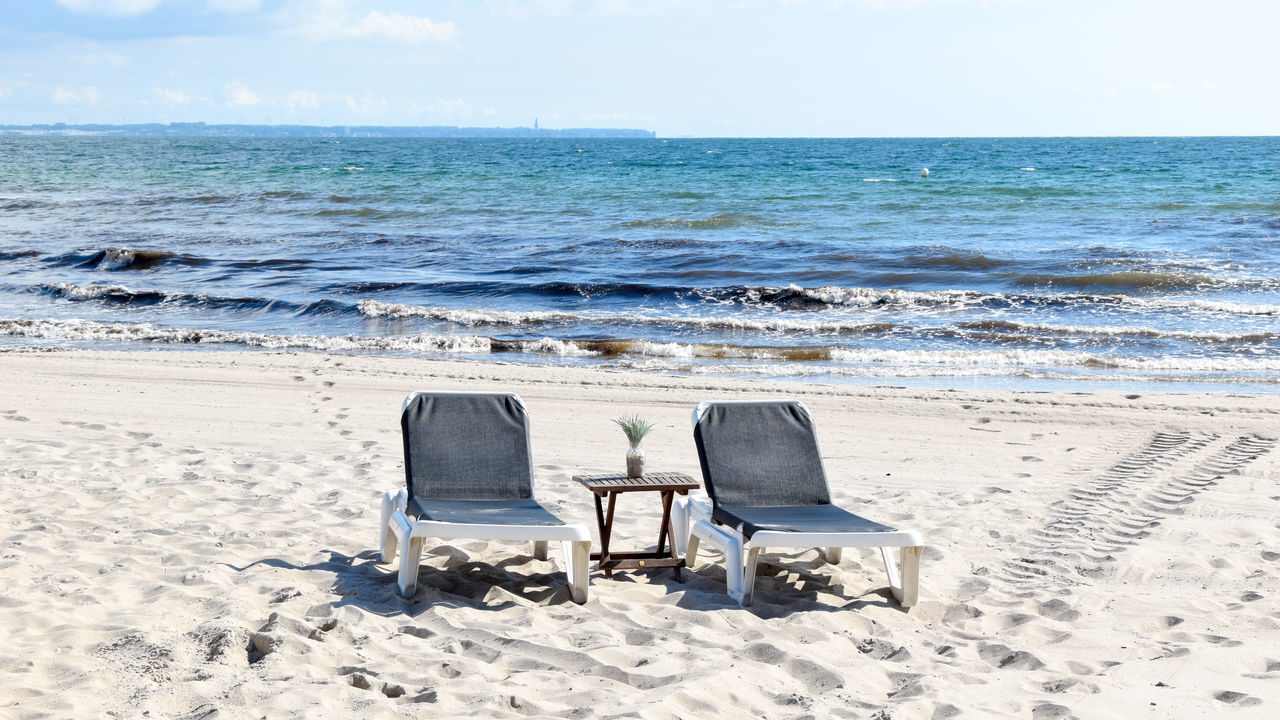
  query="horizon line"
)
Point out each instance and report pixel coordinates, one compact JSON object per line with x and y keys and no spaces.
{"x":104,"y":128}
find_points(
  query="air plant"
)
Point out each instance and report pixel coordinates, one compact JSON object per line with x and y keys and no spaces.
{"x":635,"y":428}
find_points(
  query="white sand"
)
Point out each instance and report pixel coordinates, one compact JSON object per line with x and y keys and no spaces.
{"x":192,"y":534}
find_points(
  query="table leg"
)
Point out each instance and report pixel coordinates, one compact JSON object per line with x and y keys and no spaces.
{"x":606,"y":532}
{"x":667,"y":497}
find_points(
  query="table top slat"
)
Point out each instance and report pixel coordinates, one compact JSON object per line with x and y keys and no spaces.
{"x":618,"y":482}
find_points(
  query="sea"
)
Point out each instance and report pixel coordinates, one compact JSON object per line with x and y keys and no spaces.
{"x":1022,"y":263}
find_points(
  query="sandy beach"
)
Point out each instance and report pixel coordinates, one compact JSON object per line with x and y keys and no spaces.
{"x":192,"y":535}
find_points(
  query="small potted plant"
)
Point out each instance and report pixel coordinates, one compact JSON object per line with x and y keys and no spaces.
{"x":635,"y":428}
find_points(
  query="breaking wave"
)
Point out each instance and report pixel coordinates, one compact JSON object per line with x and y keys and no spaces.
{"x":901,"y":361}
{"x":121,"y":295}
{"x":473,"y":318}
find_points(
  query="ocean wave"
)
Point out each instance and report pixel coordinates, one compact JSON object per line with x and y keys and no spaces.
{"x":23,"y":203}
{"x":714,"y":222}
{"x":122,"y":259}
{"x":1121,"y":280}
{"x":795,"y":296}
{"x":1013,"y":326}
{"x":283,"y":195}
{"x":798,"y":298}
{"x":129,"y":259}
{"x":473,"y":318}
{"x":121,"y":295}
{"x":901,"y":362}
{"x":976,"y":329}
{"x":111,"y":293}
{"x":956,"y":261}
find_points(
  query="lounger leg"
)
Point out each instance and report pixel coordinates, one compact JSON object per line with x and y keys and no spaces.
{"x":749,"y":576}
{"x":905,"y":586}
{"x":691,"y":551}
{"x":733,"y":570}
{"x":387,"y":541}
{"x":389,"y":544}
{"x":910,"y":576}
{"x":680,"y":519}
{"x":539,"y":549}
{"x":410,"y":557}
{"x":833,"y":555}
{"x":577,"y":556}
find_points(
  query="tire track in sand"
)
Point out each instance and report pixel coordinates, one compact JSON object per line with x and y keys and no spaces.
{"x":1122,"y":505}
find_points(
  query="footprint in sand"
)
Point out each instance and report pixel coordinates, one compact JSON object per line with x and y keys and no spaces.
{"x":1050,"y":711}
{"x":1004,"y":658}
{"x":1238,"y":699}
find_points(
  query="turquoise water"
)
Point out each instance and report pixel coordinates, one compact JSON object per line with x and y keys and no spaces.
{"x":1110,"y":262}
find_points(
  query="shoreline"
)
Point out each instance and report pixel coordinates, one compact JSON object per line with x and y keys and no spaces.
{"x":982,"y":380}
{"x":173,"y":515}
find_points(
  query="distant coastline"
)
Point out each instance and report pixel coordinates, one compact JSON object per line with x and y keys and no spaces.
{"x":199,"y":129}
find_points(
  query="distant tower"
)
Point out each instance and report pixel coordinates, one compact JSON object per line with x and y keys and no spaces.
{"x":535,"y":124}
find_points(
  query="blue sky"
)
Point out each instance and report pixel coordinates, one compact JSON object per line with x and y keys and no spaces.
{"x":679,"y":67}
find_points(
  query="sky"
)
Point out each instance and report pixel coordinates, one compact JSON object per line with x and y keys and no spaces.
{"x":747,"y":68}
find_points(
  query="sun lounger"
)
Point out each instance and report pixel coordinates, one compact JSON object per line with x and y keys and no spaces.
{"x":469,"y":474}
{"x":763,"y":472}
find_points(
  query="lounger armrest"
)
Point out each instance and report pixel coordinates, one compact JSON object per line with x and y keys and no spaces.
{"x":894,"y":538}
{"x":479,"y":531}
{"x":698,"y":509}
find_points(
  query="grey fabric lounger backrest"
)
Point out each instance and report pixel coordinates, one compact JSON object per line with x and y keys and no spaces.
{"x":760,"y":454}
{"x":460,"y":446}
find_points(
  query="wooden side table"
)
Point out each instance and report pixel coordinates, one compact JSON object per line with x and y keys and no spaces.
{"x":666,"y":483}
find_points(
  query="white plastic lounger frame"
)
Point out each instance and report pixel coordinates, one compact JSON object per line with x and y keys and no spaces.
{"x":406,"y":535}
{"x":741,"y":554}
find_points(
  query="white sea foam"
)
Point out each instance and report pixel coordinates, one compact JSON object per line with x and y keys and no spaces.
{"x":116,"y":259}
{"x":1053,"y":358}
{"x":849,"y":361}
{"x":472,"y":318}
{"x":1015,"y":326}
{"x":87,"y":330}
{"x":868,"y":297}
{"x":552,"y":346}
{"x":85,"y":292}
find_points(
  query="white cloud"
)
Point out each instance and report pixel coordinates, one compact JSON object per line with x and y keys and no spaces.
{"x":1165,"y":88}
{"x":616,"y":119}
{"x":240,"y":96}
{"x":109,"y":59}
{"x":302,"y":100}
{"x":110,"y":7}
{"x":366,"y":105}
{"x":232,"y":7}
{"x":332,"y":24}
{"x":177,"y":97}
{"x":527,"y":8}
{"x":450,"y":110}
{"x":64,"y":94}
